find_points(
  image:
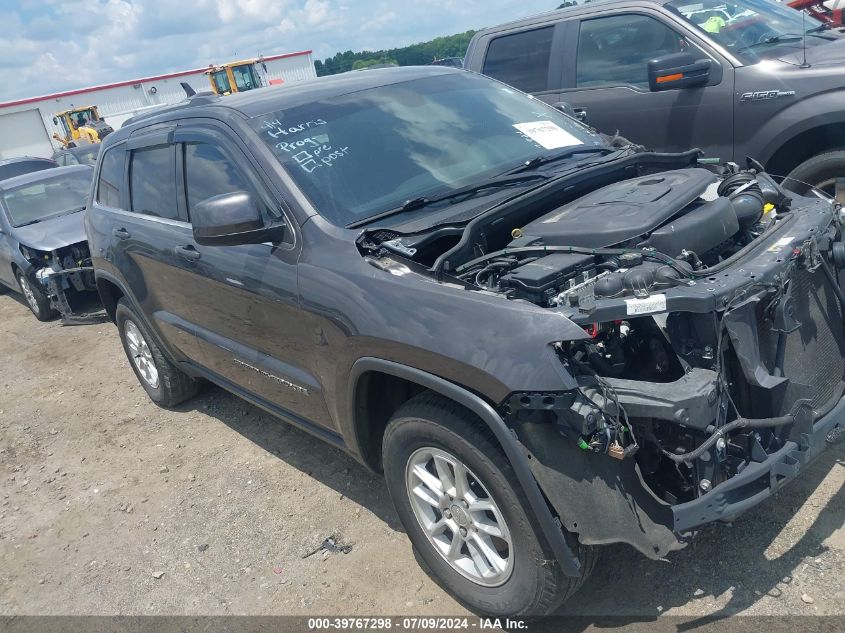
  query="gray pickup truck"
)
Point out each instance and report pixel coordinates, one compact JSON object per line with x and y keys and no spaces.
{"x":743,"y":78}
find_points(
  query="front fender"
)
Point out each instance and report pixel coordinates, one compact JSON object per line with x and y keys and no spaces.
{"x":570,"y":565}
{"x":778,"y":131}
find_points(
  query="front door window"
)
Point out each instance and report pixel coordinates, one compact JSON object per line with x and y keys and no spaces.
{"x":615,"y":50}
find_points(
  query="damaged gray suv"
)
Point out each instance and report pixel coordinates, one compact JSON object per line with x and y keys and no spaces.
{"x":547,"y":342}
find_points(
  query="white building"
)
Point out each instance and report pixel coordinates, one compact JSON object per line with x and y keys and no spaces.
{"x":26,"y":125}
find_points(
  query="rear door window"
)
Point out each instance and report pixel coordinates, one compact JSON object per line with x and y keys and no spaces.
{"x":152,"y":182}
{"x":521,"y":59}
{"x":111,"y":178}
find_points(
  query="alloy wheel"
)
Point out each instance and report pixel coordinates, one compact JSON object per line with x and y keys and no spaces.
{"x":140,"y":353}
{"x":460,"y":518}
{"x":28,"y":294}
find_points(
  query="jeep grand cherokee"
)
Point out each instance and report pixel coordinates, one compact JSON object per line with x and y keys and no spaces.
{"x":546,"y":342}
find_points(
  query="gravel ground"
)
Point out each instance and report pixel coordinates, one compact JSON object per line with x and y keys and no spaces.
{"x":111,"y":505}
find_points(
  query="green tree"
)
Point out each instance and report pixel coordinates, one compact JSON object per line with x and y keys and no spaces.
{"x":366,"y":63}
{"x":413,"y":55}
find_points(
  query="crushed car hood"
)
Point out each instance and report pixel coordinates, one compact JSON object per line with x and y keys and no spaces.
{"x":52,"y":234}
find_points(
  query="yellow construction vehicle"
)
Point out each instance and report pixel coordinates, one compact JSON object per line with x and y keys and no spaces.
{"x":80,"y":126}
{"x":235,"y":76}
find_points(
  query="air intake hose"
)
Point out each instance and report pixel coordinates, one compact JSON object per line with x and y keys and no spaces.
{"x":746,"y":195}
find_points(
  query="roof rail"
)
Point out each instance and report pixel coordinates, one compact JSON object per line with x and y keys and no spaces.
{"x":198,"y":99}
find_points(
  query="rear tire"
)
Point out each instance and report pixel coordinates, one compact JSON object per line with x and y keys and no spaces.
{"x":430,"y":434}
{"x":166,"y":384}
{"x":820,"y":171}
{"x":35,"y":297}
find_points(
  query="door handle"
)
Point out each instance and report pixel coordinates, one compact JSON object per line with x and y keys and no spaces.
{"x":188,"y":252}
{"x":122,"y":234}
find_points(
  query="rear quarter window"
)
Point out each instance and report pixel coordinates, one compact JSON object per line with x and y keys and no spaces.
{"x":521,"y":59}
{"x":111,"y":178}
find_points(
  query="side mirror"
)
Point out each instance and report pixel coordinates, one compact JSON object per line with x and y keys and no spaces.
{"x":55,"y":120}
{"x":677,"y":70}
{"x":231,"y":219}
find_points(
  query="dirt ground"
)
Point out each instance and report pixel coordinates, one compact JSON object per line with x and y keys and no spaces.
{"x":111,"y":505}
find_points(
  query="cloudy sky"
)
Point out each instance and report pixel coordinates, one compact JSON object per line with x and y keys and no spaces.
{"x":53,"y":45}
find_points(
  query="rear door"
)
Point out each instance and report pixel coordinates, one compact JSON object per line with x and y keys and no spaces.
{"x":249,"y":325}
{"x":529,"y":59}
{"x":152,"y":242}
{"x":609,"y":83}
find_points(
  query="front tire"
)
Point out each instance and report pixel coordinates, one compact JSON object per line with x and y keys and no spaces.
{"x":165,"y":383}
{"x":820,"y":171}
{"x":35,"y":297}
{"x":458,"y":499}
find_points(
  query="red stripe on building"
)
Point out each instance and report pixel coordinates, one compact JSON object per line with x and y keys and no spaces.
{"x":132,"y":82}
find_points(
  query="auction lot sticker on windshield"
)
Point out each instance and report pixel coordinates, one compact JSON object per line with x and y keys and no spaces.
{"x":657,"y":303}
{"x":548,"y":134}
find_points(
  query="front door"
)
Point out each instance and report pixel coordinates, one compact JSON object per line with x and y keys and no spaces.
{"x":249,"y":324}
{"x":609,"y":83}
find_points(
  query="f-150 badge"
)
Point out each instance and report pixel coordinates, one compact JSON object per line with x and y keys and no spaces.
{"x":766,"y":95}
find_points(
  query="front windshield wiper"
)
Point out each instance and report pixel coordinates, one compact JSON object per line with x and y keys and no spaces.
{"x":539,"y":161}
{"x":824,"y":26}
{"x":520,"y":174}
{"x":52,"y":216}
{"x":785,"y":37}
{"x":497,"y":182}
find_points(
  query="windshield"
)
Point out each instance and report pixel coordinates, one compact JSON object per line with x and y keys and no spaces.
{"x":364,"y":153}
{"x":752,"y":29}
{"x":245,"y":77}
{"x":52,"y":196}
{"x":221,"y":81}
{"x":80,"y":118}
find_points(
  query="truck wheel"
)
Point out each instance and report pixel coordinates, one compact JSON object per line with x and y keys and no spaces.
{"x":166,"y":384}
{"x":459,"y":501}
{"x":35,"y":298}
{"x":820,"y":171}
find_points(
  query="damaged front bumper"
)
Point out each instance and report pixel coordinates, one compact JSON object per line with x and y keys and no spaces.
{"x":762,"y":343}
{"x":61,"y":271}
{"x":759,"y":481}
{"x":605,"y":500}
{"x":57,"y":282}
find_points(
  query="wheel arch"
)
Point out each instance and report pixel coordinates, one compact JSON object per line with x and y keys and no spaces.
{"x":368,"y":374}
{"x":110,"y":293}
{"x":804,"y":145}
{"x":111,"y":290}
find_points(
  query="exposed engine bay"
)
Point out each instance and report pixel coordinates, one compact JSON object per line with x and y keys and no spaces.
{"x":711,"y":307}
{"x":67,"y":269}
